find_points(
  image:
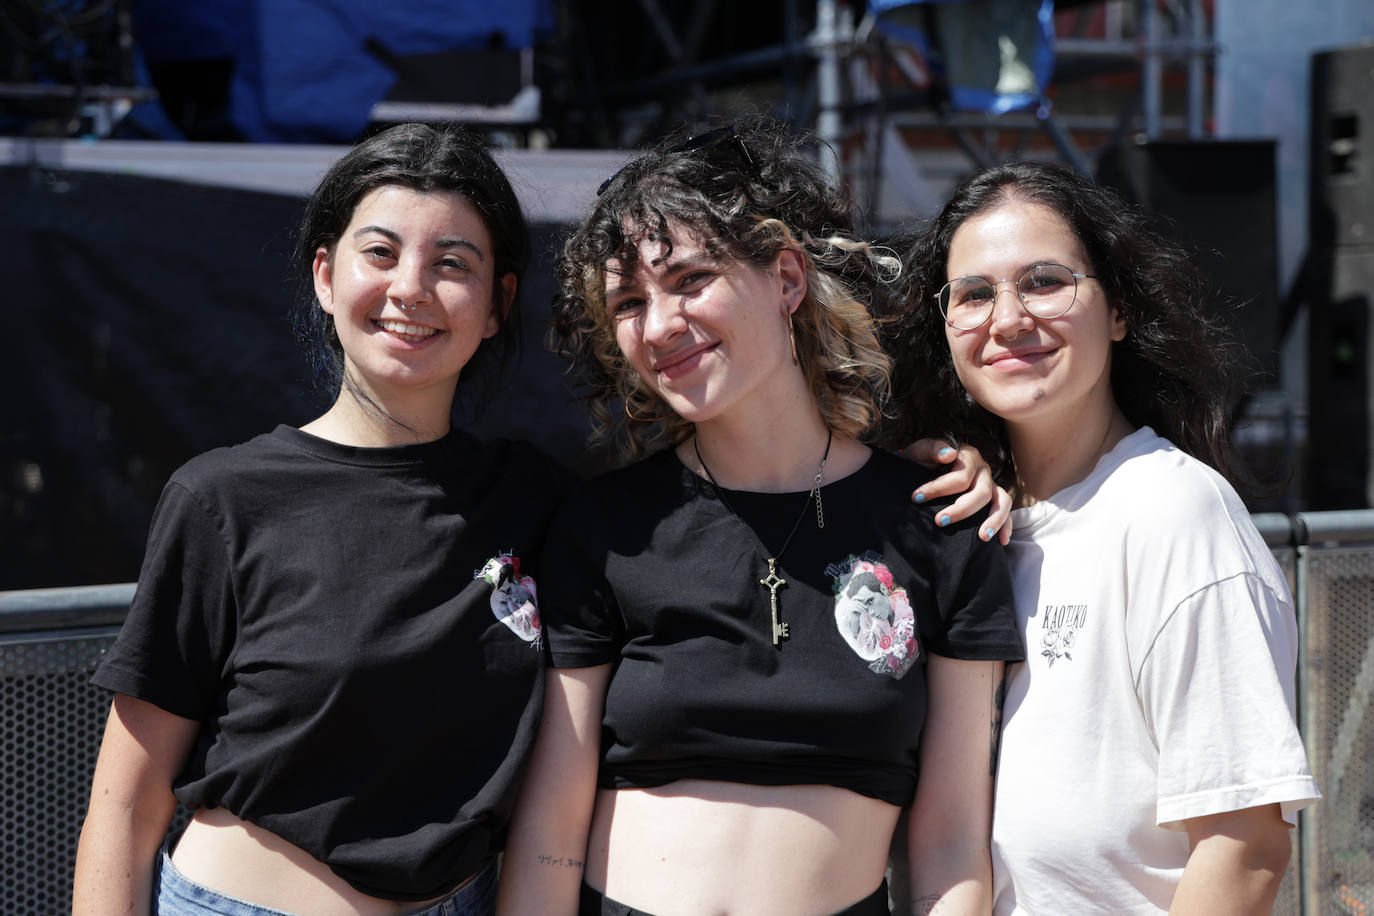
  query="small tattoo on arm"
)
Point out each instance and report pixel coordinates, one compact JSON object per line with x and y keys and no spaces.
{"x":559,"y":861}
{"x":999,"y":698}
{"x":925,"y":906}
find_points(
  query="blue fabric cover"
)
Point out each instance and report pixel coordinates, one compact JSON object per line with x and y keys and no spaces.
{"x":970,"y":48}
{"x":303,"y":69}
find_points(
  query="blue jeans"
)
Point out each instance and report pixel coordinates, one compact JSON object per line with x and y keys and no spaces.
{"x":176,"y":895}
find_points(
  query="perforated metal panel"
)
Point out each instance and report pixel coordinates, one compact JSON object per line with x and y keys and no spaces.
{"x":51,"y":722}
{"x":1337,"y":686}
{"x":1289,"y":899}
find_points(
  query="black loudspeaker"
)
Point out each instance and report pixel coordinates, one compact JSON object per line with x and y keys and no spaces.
{"x":1338,"y":281}
{"x":1219,"y":196}
{"x":1340,"y":378}
{"x":1342,"y":154}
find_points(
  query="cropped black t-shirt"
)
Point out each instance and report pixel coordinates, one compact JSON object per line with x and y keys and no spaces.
{"x":648,"y":570}
{"x":357,"y":631}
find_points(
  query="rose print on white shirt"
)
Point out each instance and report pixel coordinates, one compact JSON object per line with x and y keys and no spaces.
{"x":1059,"y":628}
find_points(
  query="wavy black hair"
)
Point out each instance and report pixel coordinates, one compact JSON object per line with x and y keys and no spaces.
{"x":1176,"y":370}
{"x":425,"y":158}
{"x":746,"y":190}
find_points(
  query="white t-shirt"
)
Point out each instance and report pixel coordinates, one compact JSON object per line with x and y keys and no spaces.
{"x":1161,"y":645}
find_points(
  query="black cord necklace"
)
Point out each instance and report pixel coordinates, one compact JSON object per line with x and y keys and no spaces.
{"x":773,"y":581}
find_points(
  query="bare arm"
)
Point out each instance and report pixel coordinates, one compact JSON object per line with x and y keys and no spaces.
{"x":1237,"y":861}
{"x":546,"y":852}
{"x":951,"y":817}
{"x":968,"y":474}
{"x":131,"y":807}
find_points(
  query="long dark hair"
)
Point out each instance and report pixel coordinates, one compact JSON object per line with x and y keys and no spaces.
{"x":424,"y":158}
{"x":1175,"y":371}
{"x":746,"y":190}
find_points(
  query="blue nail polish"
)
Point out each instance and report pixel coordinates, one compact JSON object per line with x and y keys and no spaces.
{"x":945,"y":451}
{"x":920,"y":498}
{"x":988,"y":533}
{"x":944,"y":520}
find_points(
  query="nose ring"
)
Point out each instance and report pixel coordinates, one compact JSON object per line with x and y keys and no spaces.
{"x":406,"y":308}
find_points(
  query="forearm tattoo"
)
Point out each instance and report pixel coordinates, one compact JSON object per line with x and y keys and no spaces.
{"x":925,"y":906}
{"x":559,"y":861}
{"x":999,"y":698}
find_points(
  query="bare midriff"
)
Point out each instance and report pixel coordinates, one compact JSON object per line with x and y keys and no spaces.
{"x":234,"y":857}
{"x":699,"y":846}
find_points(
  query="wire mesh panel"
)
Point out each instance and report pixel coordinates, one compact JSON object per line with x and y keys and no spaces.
{"x":1289,"y":899}
{"x":51,"y":722}
{"x":1337,"y":686}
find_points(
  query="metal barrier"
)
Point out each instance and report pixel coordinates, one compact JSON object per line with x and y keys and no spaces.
{"x":51,"y":720}
{"x":1336,"y":685}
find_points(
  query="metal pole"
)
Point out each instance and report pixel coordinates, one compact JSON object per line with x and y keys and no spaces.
{"x":1153,"y":72}
{"x":1197,"y":69}
{"x":828,"y":86}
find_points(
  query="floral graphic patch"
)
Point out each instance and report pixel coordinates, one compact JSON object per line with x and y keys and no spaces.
{"x":1059,"y":628}
{"x":874,"y":615}
{"x":512,"y":596}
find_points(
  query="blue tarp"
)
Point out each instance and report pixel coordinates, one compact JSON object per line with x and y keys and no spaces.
{"x":993,"y":55}
{"x":311,"y":70}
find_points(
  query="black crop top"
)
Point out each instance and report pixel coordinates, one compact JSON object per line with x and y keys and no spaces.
{"x":646,"y":569}
{"x":355,"y":630}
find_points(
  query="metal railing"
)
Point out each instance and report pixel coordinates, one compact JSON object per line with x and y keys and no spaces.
{"x":51,"y":719}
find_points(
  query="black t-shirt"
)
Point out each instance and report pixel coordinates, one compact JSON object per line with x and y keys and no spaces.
{"x":356,"y":630}
{"x":647,"y":569}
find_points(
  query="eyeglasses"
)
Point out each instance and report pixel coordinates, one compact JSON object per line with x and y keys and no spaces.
{"x":1045,"y":291}
{"x":692,"y":144}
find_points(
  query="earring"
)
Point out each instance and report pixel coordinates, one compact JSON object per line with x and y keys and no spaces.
{"x":792,"y":334}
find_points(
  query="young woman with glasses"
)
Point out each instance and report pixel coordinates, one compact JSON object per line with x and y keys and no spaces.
{"x":763,"y":652}
{"x":1149,"y":757}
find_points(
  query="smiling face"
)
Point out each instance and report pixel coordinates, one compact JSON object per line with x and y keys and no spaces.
{"x":430,"y":251}
{"x":1030,"y":370}
{"x":708,"y":334}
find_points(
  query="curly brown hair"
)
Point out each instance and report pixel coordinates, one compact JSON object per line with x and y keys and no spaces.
{"x":1176,"y":370}
{"x":747,"y":190}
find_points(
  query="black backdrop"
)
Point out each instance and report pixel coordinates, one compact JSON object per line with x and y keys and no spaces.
{"x":149,"y":322}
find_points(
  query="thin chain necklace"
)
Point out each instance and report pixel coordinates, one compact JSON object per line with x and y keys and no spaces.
{"x":773,"y":581}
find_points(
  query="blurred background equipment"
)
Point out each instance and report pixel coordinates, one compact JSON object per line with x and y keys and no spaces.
{"x":153,"y":181}
{"x":67,"y":67}
{"x":1338,"y":278}
{"x":1217,"y":198}
{"x":1195,"y":109}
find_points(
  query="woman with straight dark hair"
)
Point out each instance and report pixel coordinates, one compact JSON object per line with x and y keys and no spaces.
{"x":763,"y":652}
{"x":333,"y":655}
{"x":1149,"y":758}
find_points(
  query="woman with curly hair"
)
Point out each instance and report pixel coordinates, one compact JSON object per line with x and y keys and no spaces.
{"x":1149,"y":759}
{"x":759,"y":643}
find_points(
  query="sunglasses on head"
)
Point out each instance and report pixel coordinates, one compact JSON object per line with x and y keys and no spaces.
{"x":699,"y":142}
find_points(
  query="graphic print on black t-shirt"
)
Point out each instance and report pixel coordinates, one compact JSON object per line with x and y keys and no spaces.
{"x":512,"y":596}
{"x":873,"y":614}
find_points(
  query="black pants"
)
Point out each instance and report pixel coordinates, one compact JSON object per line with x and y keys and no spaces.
{"x":595,"y":903}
